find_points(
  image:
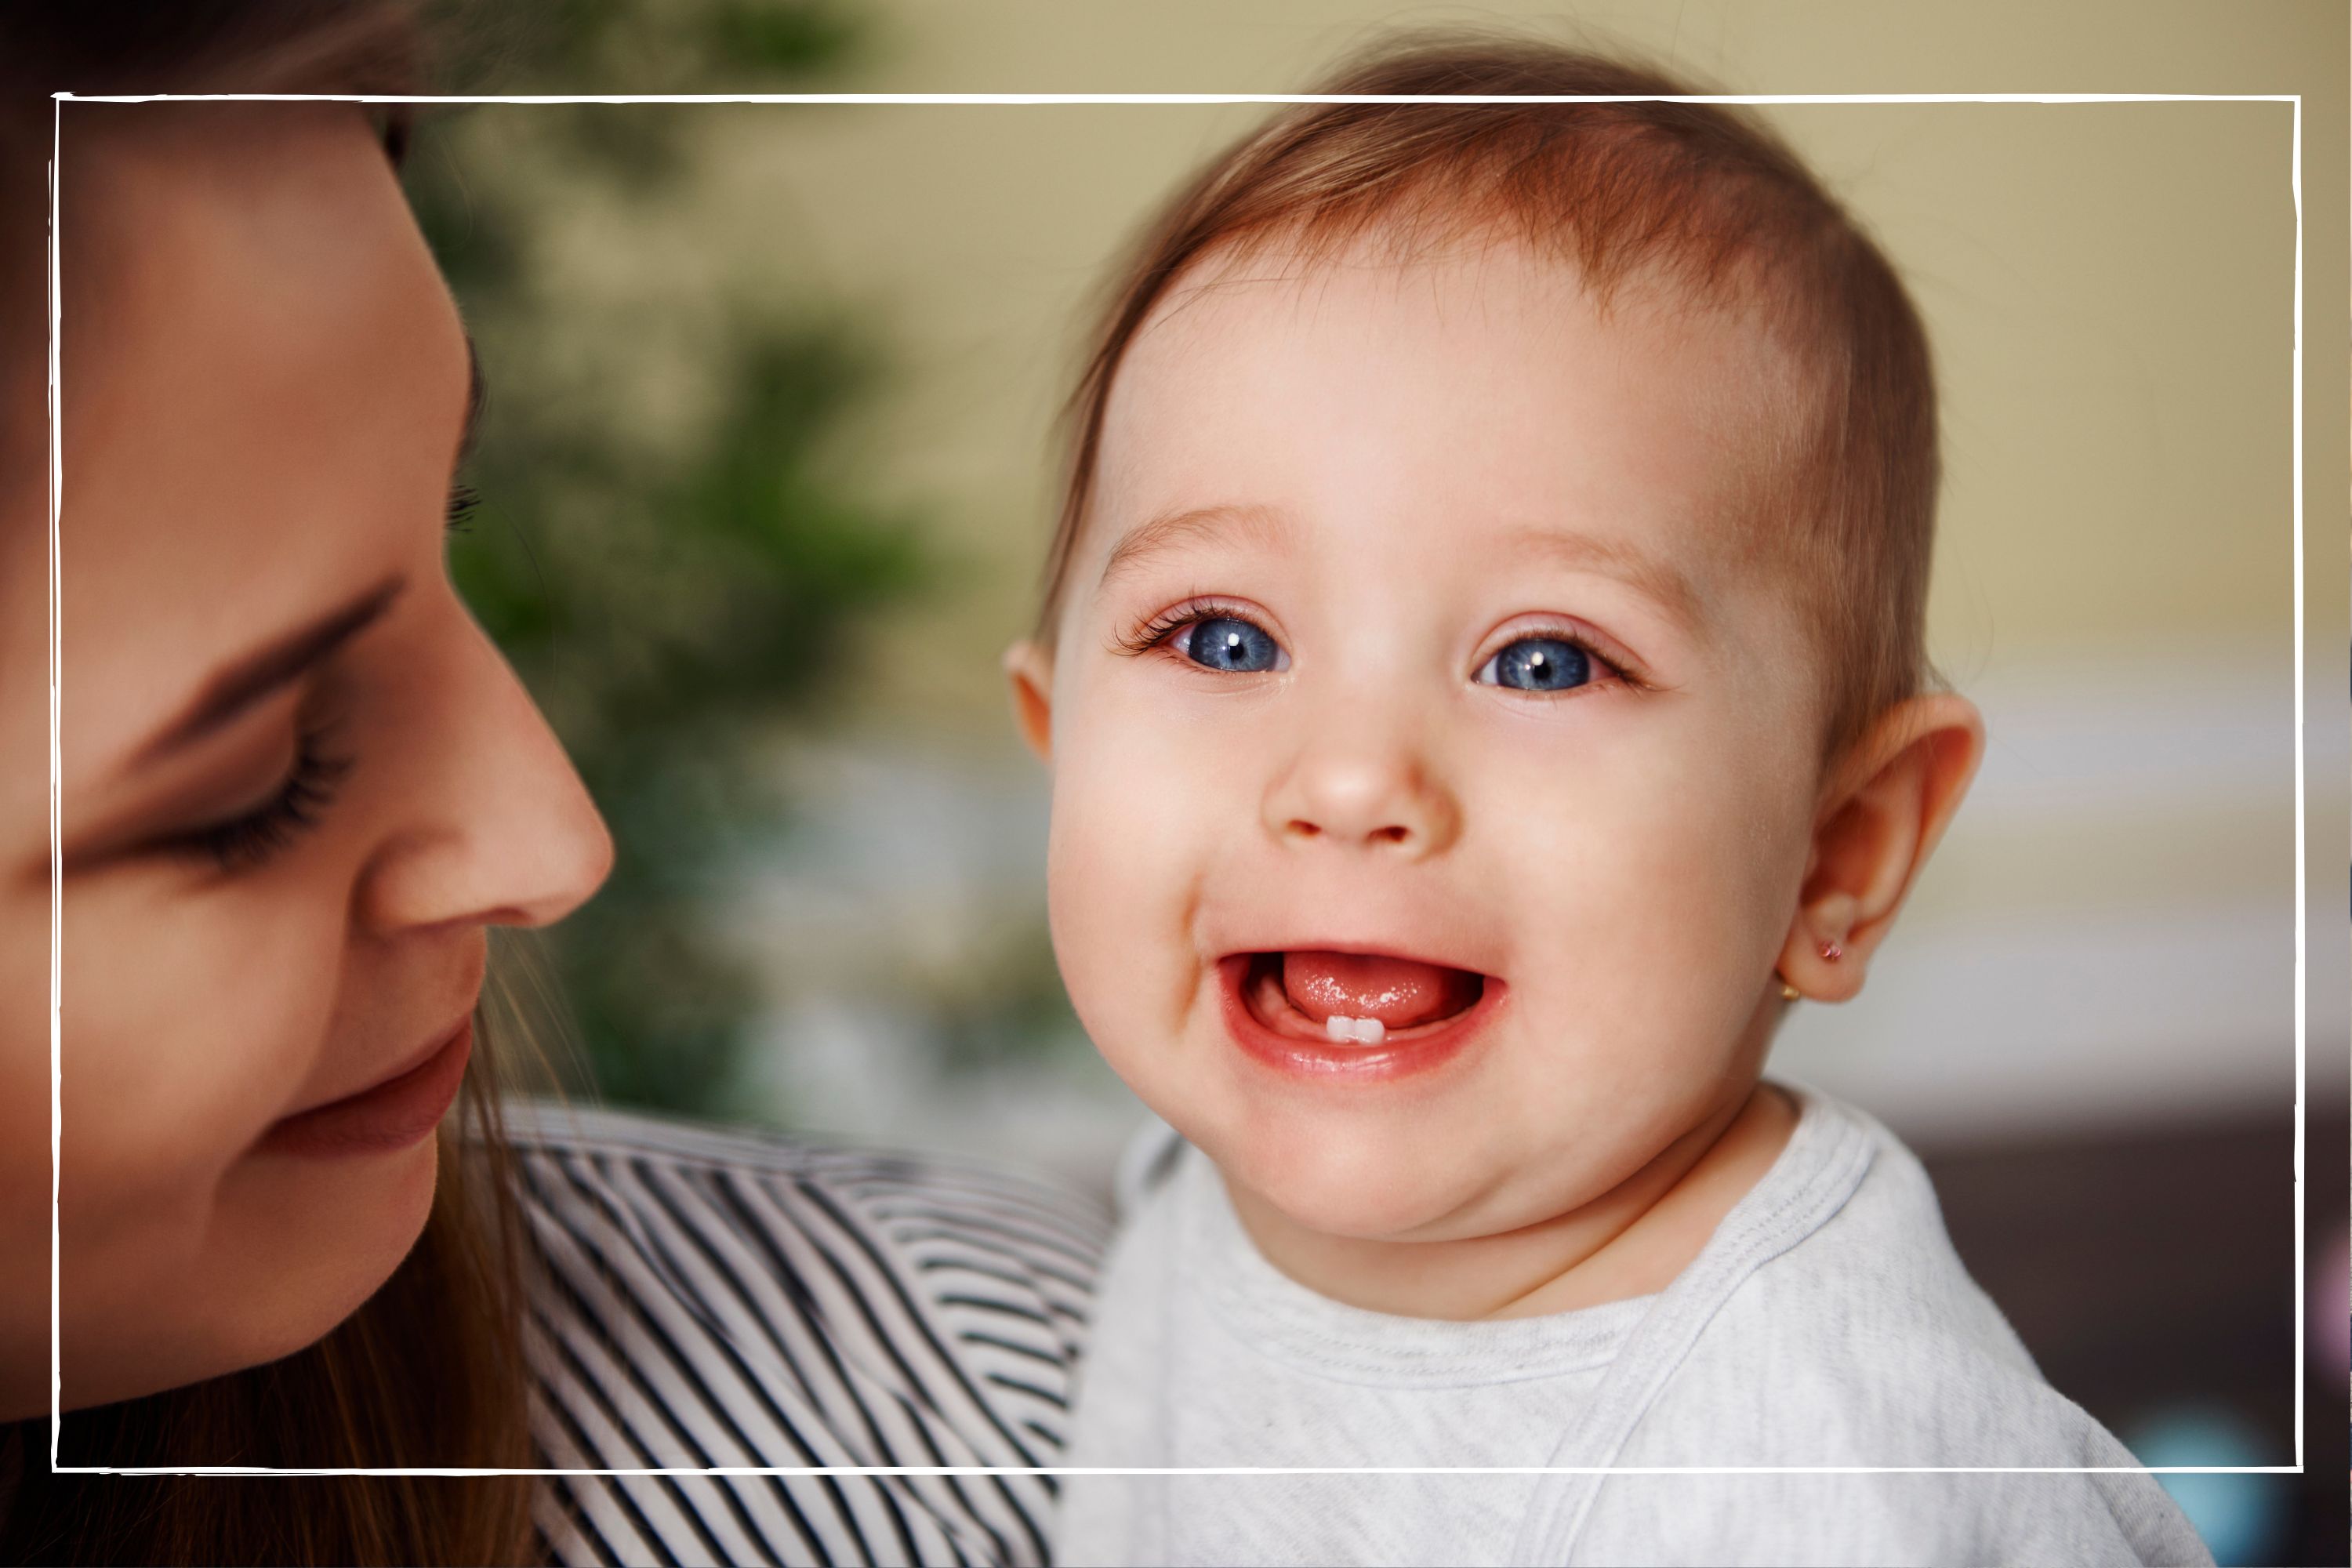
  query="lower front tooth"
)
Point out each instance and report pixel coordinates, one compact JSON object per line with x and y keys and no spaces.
{"x":1339,"y":1028}
{"x":1370,"y":1031}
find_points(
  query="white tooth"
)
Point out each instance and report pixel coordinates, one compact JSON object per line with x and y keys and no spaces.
{"x":1339,"y":1029}
{"x":1370,"y":1031}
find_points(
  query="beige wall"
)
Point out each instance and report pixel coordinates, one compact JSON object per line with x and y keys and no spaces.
{"x":2109,"y":290}
{"x":2108,"y":286}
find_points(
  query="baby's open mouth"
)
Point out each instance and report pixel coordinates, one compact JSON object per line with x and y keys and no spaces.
{"x":1356,"y":998}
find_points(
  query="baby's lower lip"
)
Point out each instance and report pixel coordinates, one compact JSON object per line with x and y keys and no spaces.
{"x":1299,"y":1047}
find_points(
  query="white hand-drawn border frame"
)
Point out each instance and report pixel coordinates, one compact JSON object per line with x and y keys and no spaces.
{"x":57,"y":492}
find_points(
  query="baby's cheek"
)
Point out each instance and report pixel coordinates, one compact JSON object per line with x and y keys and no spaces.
{"x":1122,"y":854}
{"x":1635,"y":895}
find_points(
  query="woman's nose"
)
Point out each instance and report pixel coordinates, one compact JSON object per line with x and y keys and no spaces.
{"x":1377,"y":793}
{"x":503,"y":832}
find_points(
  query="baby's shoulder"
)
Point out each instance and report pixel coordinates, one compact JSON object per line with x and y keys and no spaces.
{"x":1147,"y":1167}
{"x":1141,"y":1279}
{"x":1867,"y":1342}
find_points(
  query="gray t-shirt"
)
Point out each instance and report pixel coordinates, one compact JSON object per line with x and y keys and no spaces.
{"x":1827,"y":1322}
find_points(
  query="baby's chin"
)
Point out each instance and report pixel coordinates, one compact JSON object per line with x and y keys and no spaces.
{"x":1360,"y":1188}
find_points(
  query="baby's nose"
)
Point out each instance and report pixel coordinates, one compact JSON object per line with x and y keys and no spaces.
{"x":1359,"y":797}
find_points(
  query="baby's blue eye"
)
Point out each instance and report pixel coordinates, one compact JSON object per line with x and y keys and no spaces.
{"x":1228,"y":643}
{"x":1539,"y":664}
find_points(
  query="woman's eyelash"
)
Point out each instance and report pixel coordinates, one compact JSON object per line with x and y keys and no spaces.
{"x":245,"y":842}
{"x":463,"y":499}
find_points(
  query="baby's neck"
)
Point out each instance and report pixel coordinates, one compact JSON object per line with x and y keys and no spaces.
{"x":1630,"y":1241}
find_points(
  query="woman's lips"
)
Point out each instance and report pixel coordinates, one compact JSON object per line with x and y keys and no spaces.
{"x":397,"y":1113}
{"x":1261,"y":1019}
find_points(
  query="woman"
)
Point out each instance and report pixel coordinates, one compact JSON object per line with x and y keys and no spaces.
{"x":298,"y":788}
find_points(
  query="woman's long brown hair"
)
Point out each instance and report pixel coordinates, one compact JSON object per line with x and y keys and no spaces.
{"x":429,"y":1373}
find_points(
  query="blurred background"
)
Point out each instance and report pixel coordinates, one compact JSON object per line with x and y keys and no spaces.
{"x":766,"y":474}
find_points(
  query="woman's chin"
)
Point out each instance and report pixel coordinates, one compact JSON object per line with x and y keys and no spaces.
{"x":279,"y":1265}
{"x":334,"y":1243}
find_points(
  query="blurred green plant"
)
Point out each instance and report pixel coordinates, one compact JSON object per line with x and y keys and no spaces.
{"x":510,"y":47}
{"x":659,"y":546}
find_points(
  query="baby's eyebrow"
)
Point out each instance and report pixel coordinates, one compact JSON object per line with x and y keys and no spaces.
{"x":1191,"y":525}
{"x":1652,"y":576}
{"x":1649,"y":575}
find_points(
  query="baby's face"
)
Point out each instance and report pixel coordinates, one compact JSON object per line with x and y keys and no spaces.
{"x":1433,"y":764}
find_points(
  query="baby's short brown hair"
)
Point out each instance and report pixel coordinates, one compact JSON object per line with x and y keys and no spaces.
{"x":1695,"y":196}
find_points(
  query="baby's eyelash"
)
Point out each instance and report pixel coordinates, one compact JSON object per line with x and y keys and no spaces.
{"x":245,"y":842}
{"x":1155,"y":631}
{"x":1577,"y":640}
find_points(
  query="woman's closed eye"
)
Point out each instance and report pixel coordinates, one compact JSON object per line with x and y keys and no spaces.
{"x":252,"y":836}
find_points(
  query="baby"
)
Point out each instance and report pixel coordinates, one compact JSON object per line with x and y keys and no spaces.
{"x":1482,"y":676}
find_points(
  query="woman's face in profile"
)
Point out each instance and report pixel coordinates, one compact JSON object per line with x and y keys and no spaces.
{"x":298,"y":782}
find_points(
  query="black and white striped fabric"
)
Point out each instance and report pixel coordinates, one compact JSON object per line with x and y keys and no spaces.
{"x":716,"y":1299}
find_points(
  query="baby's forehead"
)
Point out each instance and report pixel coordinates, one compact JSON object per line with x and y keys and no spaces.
{"x":1391,"y":273}
{"x":1474,"y":381}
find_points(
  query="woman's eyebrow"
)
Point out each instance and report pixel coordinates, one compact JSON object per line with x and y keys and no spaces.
{"x":272,"y":667}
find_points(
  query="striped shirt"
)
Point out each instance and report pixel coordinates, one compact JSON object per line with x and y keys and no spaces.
{"x":712,"y":1299}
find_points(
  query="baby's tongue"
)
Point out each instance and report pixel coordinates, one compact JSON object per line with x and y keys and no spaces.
{"x":1398,"y":991}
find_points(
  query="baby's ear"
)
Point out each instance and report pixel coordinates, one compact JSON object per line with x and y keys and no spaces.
{"x":1896,"y":791}
{"x":1029,"y":667}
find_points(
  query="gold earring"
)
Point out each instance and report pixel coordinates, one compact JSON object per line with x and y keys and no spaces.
{"x":1789,"y":992}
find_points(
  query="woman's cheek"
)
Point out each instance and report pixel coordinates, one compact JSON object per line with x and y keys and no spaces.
{"x":159,"y":1094}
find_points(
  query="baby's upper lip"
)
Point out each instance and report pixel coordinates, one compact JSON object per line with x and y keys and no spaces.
{"x":1442,"y":956}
